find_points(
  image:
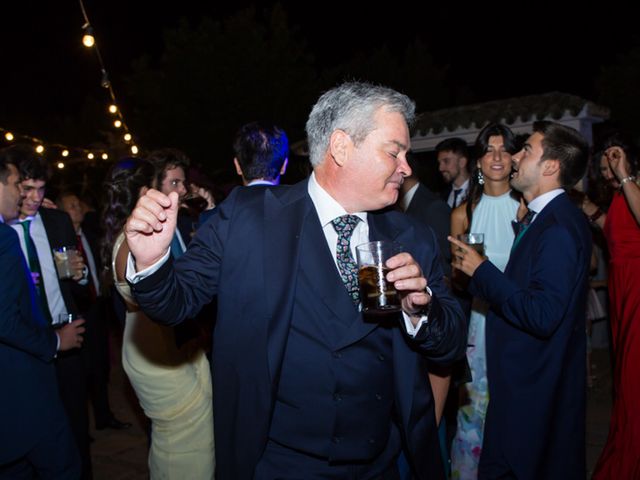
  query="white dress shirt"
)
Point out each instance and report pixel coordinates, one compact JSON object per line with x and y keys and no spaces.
{"x":462,"y":196}
{"x":47,"y":265}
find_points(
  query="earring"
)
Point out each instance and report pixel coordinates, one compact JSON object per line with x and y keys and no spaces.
{"x":480,"y":178}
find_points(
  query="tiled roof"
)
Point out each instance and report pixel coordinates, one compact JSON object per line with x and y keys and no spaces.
{"x":554,"y":105}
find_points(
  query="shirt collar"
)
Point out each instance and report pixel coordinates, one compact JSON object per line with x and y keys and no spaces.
{"x":405,"y":200}
{"x":261,"y":182}
{"x":464,"y":187}
{"x":541,"y":201}
{"x":326,"y":206}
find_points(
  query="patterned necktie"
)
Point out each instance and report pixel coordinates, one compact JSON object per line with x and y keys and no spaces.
{"x":520,"y":227}
{"x":347,"y":267}
{"x":34,"y":266}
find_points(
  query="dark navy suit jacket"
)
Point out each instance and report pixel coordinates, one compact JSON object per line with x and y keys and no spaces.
{"x":430,"y":209}
{"x":248,"y":254}
{"x":29,"y":402}
{"x":536,"y":347}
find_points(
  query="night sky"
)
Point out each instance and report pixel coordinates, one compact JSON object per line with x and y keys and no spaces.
{"x":494,"y":53}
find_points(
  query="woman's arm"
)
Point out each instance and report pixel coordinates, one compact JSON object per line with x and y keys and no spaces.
{"x":628,"y":183}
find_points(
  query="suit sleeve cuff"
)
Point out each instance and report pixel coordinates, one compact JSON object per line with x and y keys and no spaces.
{"x":134,"y":277}
{"x":424,"y":318}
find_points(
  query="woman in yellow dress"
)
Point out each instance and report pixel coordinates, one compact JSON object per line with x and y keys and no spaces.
{"x":173,"y":385}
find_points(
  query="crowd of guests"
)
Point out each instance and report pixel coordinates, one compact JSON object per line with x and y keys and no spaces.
{"x":482,"y":375}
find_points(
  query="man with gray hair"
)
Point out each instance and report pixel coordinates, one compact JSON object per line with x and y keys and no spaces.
{"x":304,"y":385}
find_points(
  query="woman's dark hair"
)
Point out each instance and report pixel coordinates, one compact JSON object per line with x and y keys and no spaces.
{"x":480,"y":148}
{"x":599,"y":191}
{"x":122,"y":187}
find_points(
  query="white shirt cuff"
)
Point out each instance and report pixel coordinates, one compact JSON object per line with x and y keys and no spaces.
{"x":411,"y":330}
{"x":134,"y":277}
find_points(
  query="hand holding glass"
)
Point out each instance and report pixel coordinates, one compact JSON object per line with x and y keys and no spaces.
{"x":377,"y":295}
{"x":63,"y":257}
{"x":474,"y":240}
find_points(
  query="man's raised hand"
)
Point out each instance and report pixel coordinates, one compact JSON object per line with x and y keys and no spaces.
{"x":151,"y":226}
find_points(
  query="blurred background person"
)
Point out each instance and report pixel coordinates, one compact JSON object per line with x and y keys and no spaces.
{"x":172,"y":384}
{"x":489,"y":209}
{"x":454,"y":165}
{"x":261,"y":154}
{"x":94,"y":307}
{"x":616,"y":167}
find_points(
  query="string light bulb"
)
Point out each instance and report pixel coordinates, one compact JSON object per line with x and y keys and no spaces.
{"x":127,"y":137}
{"x":134,"y":149}
{"x":90,"y":156}
{"x":113,"y":108}
{"x":8,"y":136}
{"x":65,"y":153}
{"x":105,"y":156}
{"x":88,"y":40}
{"x":117,"y":124}
{"x":39,"y":149}
{"x":60,"y":165}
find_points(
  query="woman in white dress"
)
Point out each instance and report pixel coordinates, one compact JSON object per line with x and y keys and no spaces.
{"x":172,"y":384}
{"x":489,"y":209}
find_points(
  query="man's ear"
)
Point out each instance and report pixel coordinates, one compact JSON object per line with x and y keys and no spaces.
{"x":551,"y":167}
{"x":237,"y":164}
{"x":339,"y":145}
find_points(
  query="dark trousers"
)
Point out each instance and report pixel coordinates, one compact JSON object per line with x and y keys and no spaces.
{"x":72,"y":383}
{"x":283,"y":463}
{"x":55,"y":455}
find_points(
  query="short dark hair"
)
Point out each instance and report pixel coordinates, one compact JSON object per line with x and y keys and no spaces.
{"x":456,"y":145}
{"x":165,"y":159}
{"x":5,"y":161}
{"x":31,"y":165}
{"x":566,"y":145}
{"x":261,"y":150}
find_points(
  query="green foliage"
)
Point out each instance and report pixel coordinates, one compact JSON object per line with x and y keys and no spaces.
{"x":217,"y":75}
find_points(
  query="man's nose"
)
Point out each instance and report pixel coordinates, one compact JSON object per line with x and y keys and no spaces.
{"x":403,"y":167}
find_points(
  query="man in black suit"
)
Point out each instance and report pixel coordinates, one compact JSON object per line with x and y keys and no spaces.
{"x":34,"y":434}
{"x":303,"y":385}
{"x":94,"y":308}
{"x":40,"y":231}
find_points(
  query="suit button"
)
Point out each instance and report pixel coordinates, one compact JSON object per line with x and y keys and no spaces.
{"x":372,"y":441}
{"x":337,"y":397}
{"x":378,"y":396}
{"x":337,"y":355}
{"x":381,"y":357}
{"x":335,"y":440}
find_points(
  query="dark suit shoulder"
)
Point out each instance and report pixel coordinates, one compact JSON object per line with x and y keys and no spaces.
{"x":8,"y":237}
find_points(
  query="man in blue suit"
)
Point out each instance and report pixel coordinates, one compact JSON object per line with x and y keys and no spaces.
{"x":34,"y":431}
{"x":535,"y":425}
{"x":304,"y":386}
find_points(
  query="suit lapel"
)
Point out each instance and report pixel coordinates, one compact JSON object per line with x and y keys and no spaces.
{"x":285,"y":215}
{"x":531,"y":234}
